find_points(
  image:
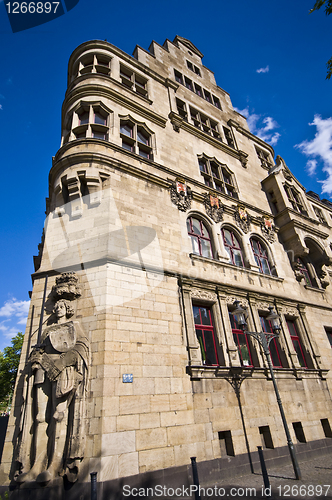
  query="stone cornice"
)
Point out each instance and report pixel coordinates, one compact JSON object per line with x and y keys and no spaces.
{"x":106,"y":160}
{"x":226,"y":372}
{"x":294,"y":223}
{"x":109,"y":93}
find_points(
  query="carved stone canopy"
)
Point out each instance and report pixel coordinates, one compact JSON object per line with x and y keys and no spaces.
{"x":213,"y":207}
{"x":181,"y":195}
{"x":67,"y":287}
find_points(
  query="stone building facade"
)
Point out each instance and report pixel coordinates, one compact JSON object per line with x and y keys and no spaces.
{"x":163,"y":210}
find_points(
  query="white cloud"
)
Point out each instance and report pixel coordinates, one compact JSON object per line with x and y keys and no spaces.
{"x":263,"y":70}
{"x":320,"y":149}
{"x":15,"y":308}
{"x":8,"y":331}
{"x":1,"y":106}
{"x":262,"y":127}
{"x":14,"y":313}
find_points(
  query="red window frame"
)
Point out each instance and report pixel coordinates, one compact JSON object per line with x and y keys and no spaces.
{"x":199,"y":237}
{"x":242,"y":342}
{"x":205,"y":334}
{"x":297,"y":344}
{"x":273,"y":347}
{"x":260,"y":255}
{"x":231,"y":248}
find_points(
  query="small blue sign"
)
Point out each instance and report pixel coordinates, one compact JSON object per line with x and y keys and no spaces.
{"x":127,"y":378}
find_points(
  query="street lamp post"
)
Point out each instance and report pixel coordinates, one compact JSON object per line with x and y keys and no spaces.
{"x":264,"y":338}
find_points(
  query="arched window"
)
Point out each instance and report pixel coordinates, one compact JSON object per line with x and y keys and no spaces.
{"x":200,"y":237}
{"x":261,"y":256}
{"x":232,"y":247}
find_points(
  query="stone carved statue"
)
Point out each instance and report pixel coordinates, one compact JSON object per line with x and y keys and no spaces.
{"x":52,"y":435}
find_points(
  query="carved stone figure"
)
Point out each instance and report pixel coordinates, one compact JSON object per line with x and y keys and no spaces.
{"x":52,"y":435}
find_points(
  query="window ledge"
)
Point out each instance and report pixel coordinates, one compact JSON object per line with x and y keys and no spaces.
{"x":193,"y":256}
{"x":314,"y":289}
{"x":241,"y":372}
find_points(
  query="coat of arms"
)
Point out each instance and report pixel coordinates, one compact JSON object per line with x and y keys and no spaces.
{"x":181,"y":195}
{"x":242,"y":218}
{"x":213,"y":207}
{"x":268,"y":229}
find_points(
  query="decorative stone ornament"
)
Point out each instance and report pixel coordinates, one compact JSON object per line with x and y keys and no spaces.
{"x":67,"y":287}
{"x":297,"y":271}
{"x":213,"y":207}
{"x":181,"y":195}
{"x":268,"y":229}
{"x":242,"y":218}
{"x":323,"y":276}
{"x":198,"y":293}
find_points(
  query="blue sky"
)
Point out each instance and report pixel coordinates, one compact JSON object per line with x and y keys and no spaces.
{"x":270,"y":56}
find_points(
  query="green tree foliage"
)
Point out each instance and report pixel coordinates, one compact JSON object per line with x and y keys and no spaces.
{"x":328,"y":11}
{"x":9,"y":361}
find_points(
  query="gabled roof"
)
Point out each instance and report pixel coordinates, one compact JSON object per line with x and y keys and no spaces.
{"x":188,"y":44}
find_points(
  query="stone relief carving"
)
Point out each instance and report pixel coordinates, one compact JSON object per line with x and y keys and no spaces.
{"x":230,"y":299}
{"x":197,"y":293}
{"x":242,"y":218}
{"x":268,"y":229}
{"x":288,"y":310}
{"x":323,"y":276}
{"x":213,"y":207}
{"x":263,"y":306}
{"x":181,"y":195}
{"x":51,"y":436}
{"x":297,"y":270}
